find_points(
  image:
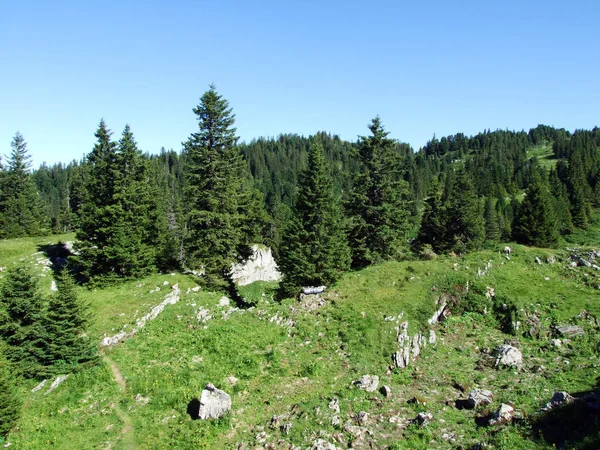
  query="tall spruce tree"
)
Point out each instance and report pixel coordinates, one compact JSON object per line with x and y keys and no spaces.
{"x":433,"y":226}
{"x":10,"y":401}
{"x":378,"y":207}
{"x":465,"y":225}
{"x":20,"y":203}
{"x":21,"y":316}
{"x":216,"y":194}
{"x":492,"y":228}
{"x":65,"y":343}
{"x":314,"y":249}
{"x":114,"y":235}
{"x":536,"y":221}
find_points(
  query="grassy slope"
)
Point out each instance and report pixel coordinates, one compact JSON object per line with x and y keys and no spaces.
{"x":297,"y":369}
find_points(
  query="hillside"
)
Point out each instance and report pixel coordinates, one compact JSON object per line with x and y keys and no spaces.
{"x":283,"y":363}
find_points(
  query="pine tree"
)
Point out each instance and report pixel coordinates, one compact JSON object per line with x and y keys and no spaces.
{"x":65,"y":341}
{"x":21,"y":316}
{"x":216,"y":194}
{"x":560,"y":198}
{"x":22,"y":209}
{"x":10,"y":401}
{"x":314,"y":249}
{"x":492,"y":230}
{"x":536,"y":221}
{"x":114,"y":235}
{"x":378,"y":209}
{"x":465,"y":225}
{"x":433,"y":226}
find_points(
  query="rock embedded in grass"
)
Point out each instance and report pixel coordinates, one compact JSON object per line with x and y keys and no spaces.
{"x":214,"y":403}
{"x":569,"y":330}
{"x":368,"y":383}
{"x":503,"y":415}
{"x":508,"y":356}
{"x":479,"y":397}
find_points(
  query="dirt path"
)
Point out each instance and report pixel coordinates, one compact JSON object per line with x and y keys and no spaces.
{"x":127,"y":436}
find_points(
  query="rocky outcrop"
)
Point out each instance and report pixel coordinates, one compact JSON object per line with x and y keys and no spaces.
{"x":478,"y":397}
{"x":214,"y":403}
{"x":409,"y":347}
{"x":503,"y":415}
{"x":261,"y":266}
{"x":170,"y":299}
{"x":559,"y":399}
{"x":367,"y":383}
{"x":569,"y":331}
{"x":508,"y":356}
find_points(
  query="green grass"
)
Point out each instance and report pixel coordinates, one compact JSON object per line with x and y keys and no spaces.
{"x":291,"y":361}
{"x":544,"y":155}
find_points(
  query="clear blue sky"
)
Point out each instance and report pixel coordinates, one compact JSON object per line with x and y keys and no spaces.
{"x":293,"y":67}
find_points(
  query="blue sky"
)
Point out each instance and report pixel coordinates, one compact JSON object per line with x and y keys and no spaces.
{"x":293,"y":67}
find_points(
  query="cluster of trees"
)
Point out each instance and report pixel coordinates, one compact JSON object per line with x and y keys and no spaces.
{"x":39,"y":336}
{"x":201,"y":209}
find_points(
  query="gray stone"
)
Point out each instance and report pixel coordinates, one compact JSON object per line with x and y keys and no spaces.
{"x":556,"y":342}
{"x":538,"y":260}
{"x":322,"y":444}
{"x":479,"y":397}
{"x":423,"y":419}
{"x":309,"y":290}
{"x":569,"y":331}
{"x":223,"y":301}
{"x":432,"y":337}
{"x":261,"y":266}
{"x":368,"y":383}
{"x":286,"y":427}
{"x":559,"y":398}
{"x":509,"y":356}
{"x":334,"y":405}
{"x":583,"y":263}
{"x":503,"y":415}
{"x":362,"y":417}
{"x":386,"y":391}
{"x":551,"y":259}
{"x":214,"y":403}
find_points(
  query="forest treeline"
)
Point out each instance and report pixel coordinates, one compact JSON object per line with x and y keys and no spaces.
{"x":136,"y":212}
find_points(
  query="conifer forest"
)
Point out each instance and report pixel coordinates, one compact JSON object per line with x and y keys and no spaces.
{"x":347,"y":216}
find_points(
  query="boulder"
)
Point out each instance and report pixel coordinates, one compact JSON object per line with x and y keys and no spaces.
{"x":423,"y":419}
{"x":386,"y":391}
{"x":261,"y":266}
{"x":507,"y":250}
{"x":502,"y":416}
{"x":223,"y":301}
{"x":569,"y":331}
{"x":368,"y":383}
{"x":310,"y":290}
{"x":334,"y":405}
{"x":559,"y":398}
{"x":214,"y":403}
{"x":508,"y":356}
{"x":479,"y":397}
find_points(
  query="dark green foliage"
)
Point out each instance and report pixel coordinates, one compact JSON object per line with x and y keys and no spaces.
{"x":216,"y":193}
{"x":21,"y":315}
{"x":10,"y":401}
{"x":65,"y":341}
{"x":114,"y":239}
{"x":536,"y":221}
{"x":314,"y":249}
{"x":465,"y":226}
{"x":433,"y":226}
{"x":21,"y":208}
{"x":492,"y":229}
{"x":560,"y":199}
{"x":378,"y":207}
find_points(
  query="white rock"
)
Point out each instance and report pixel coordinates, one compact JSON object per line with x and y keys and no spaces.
{"x":509,"y":356}
{"x":261,"y":266}
{"x":214,"y":403}
{"x":39,"y":386}
{"x":479,"y":397}
{"x":503,"y":415}
{"x":334,"y":405}
{"x":368,"y":383}
{"x":53,"y":287}
{"x":59,"y":379}
{"x":223,"y":301}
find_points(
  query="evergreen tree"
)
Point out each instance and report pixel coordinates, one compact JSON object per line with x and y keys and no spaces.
{"x":65,"y":341}
{"x":21,"y":206}
{"x":433,"y":226}
{"x":465,"y":225}
{"x":377,"y":208}
{"x":114,"y":235}
{"x":560,"y":200}
{"x":492,"y":230}
{"x":536,"y":221}
{"x":21,"y":316}
{"x":314,"y":249}
{"x":216,"y":194}
{"x":10,"y":401}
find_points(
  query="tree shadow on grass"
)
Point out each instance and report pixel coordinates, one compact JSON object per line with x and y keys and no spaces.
{"x":193,"y":409}
{"x":575,"y":425}
{"x":59,"y":255}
